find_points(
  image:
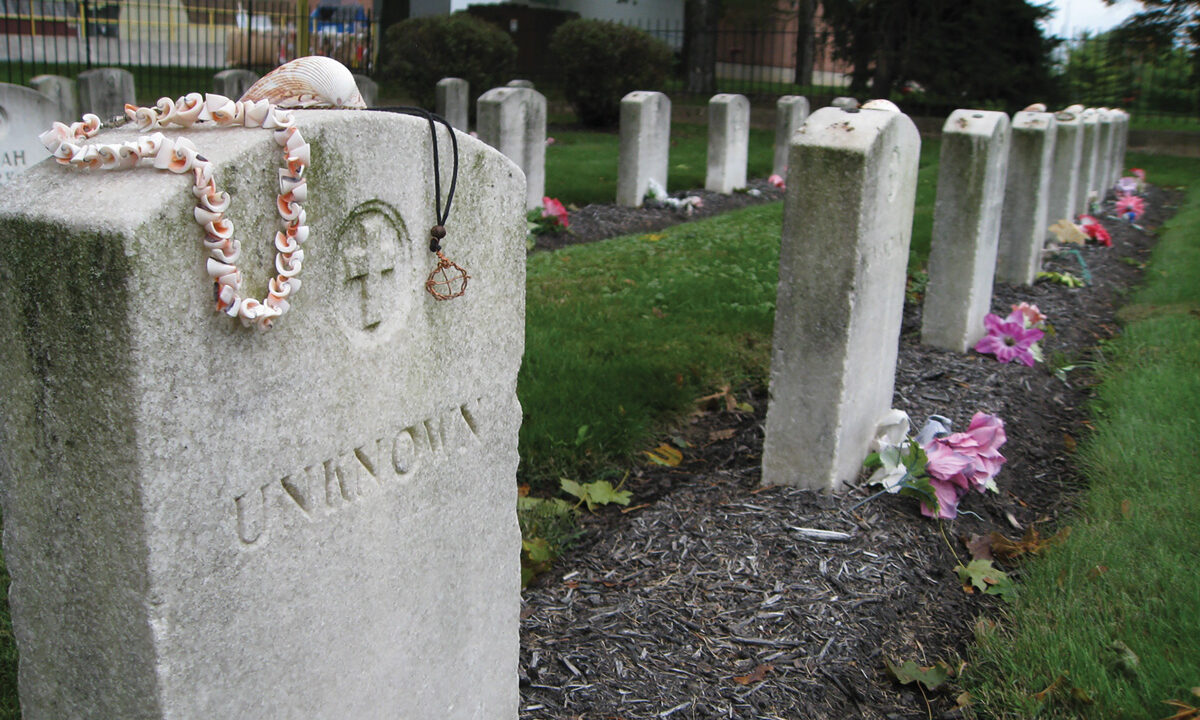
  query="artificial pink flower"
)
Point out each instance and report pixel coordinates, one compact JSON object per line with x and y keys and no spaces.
{"x":553,"y":208}
{"x":777,"y":182}
{"x":550,"y":141}
{"x":1093,"y":229}
{"x":1127,"y":185}
{"x":1008,"y":339}
{"x":1130,"y":207}
{"x":964,"y":461}
{"x":1138,"y":173}
{"x":1032,"y":317}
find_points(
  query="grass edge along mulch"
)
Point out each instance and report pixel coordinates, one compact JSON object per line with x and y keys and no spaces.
{"x":1107,"y":625}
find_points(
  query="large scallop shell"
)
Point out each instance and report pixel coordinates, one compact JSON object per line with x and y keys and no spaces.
{"x":308,"y":82}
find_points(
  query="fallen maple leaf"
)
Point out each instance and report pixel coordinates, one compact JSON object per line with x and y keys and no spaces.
{"x":1032,"y":543}
{"x":931,"y":676}
{"x":757,"y":675}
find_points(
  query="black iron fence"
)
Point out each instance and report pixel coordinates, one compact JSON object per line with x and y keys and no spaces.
{"x":174,"y":46}
{"x":761,"y":62}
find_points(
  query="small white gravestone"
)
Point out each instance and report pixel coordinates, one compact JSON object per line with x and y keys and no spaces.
{"x":106,"y":91}
{"x":62,"y":91}
{"x":645,"y":145}
{"x":207,"y":521}
{"x":1089,"y":122}
{"x":1026,"y":197}
{"x":1120,"y":145}
{"x":728,"y":142}
{"x":513,"y":120}
{"x":966,"y":228}
{"x":368,"y":88}
{"x":453,"y":101}
{"x":1104,"y":152}
{"x":24,"y":114}
{"x":845,"y":103}
{"x":790,"y":113}
{"x":527,"y":84}
{"x":847,"y":224}
{"x":233,"y":83}
{"x":1068,"y":154}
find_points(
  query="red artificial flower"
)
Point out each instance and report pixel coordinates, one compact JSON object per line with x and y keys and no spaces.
{"x":1093,"y":229}
{"x":553,"y":208}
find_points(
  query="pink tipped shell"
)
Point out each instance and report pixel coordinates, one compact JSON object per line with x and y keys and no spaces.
{"x":308,"y":82}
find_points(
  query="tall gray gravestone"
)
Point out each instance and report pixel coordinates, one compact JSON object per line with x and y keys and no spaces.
{"x":966,"y":228}
{"x":1104,"y":151}
{"x":645,"y":145}
{"x":790,"y":113}
{"x":105,"y":92}
{"x":513,"y":120}
{"x":1089,"y":152}
{"x":1026,"y":197}
{"x":368,"y":88}
{"x":203,"y":520}
{"x":453,"y":101}
{"x":728,"y":142}
{"x":62,"y":91}
{"x":233,"y":83}
{"x":24,"y":114}
{"x":1068,"y":154}
{"x":847,"y":224}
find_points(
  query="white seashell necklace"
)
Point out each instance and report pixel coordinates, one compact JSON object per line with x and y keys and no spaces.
{"x":180,"y":156}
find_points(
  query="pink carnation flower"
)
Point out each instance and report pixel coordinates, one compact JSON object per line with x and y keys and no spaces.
{"x":553,"y":208}
{"x":1130,"y":207}
{"x":777,"y":182}
{"x":1093,"y":229}
{"x":1008,"y":339}
{"x":964,"y":461}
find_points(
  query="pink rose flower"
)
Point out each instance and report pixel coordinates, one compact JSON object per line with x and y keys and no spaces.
{"x":964,"y":461}
{"x":1032,"y":317}
{"x":553,"y":208}
{"x":777,"y":182}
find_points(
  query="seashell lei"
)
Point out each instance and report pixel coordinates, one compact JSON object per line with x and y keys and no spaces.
{"x":179,"y":156}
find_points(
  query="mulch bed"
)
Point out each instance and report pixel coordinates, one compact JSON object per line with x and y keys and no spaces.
{"x":709,"y":599}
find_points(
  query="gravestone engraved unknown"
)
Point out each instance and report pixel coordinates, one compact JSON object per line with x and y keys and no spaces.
{"x":453,"y":101}
{"x":966,"y":228}
{"x":233,"y":83}
{"x":728,"y":142}
{"x":24,"y":114}
{"x":790,"y":113}
{"x":105,"y":92}
{"x":513,"y":120}
{"x":645,"y":145}
{"x":207,"y":521}
{"x":1026,"y":197}
{"x":62,"y":91}
{"x":847,"y":224}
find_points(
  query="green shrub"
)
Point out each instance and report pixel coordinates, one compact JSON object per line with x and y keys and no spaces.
{"x":418,"y":52}
{"x":602,"y":61}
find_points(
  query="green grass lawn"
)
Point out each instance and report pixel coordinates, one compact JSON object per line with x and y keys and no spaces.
{"x":1124,"y":579}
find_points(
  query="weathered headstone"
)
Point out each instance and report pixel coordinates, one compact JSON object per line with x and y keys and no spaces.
{"x":206,"y":521}
{"x":453,"y":101}
{"x":966,"y":228}
{"x":1089,"y":152}
{"x":527,"y":84}
{"x":513,"y":120}
{"x":106,"y":91}
{"x":234,"y":82}
{"x":1121,"y":144}
{"x":845,"y":103}
{"x":62,"y":91}
{"x":1026,"y":197}
{"x":847,"y":224}
{"x":728,"y":142}
{"x":790,"y":113}
{"x":24,"y":114}
{"x":645,"y":145}
{"x":368,"y":88}
{"x":1068,"y":153}
{"x":1104,"y":152}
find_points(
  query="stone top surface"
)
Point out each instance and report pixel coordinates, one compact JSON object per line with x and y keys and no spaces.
{"x":982,"y":123}
{"x":1034,"y":121}
{"x":852,"y":129}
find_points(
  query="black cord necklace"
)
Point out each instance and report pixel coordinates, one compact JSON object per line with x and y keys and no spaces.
{"x":448,"y":280}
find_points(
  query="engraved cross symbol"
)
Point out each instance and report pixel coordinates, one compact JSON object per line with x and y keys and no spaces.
{"x":370,"y":257}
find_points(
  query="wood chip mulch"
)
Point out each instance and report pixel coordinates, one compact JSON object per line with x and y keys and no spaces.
{"x":712,"y":597}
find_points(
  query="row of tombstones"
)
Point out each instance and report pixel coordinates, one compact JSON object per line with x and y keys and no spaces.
{"x":318,"y":521}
